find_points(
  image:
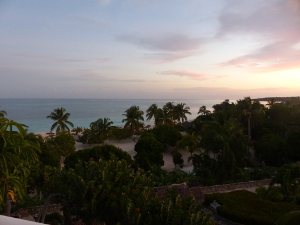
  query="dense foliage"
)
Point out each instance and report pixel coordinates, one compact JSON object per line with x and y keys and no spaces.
{"x":104,"y":152}
{"x":149,"y":152}
{"x":233,"y":142}
{"x":248,"y":208}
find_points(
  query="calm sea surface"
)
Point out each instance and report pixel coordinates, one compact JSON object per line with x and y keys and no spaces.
{"x":33,"y":112}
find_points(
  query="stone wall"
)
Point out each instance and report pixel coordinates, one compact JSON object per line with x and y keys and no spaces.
{"x":234,"y":186}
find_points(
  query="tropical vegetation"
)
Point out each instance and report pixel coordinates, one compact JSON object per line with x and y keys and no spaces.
{"x":232,"y":142}
{"x":61,"y":120}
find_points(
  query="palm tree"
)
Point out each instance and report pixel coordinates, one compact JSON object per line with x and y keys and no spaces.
{"x":17,"y":154}
{"x":253,"y":108}
{"x":152,"y":112}
{"x":61,"y":120}
{"x":101,"y":127}
{"x":77,"y":130}
{"x":134,"y":116}
{"x":169,"y":109}
{"x":2,"y":113}
{"x":189,"y":142}
{"x":180,"y":111}
{"x":271,"y":102}
{"x":226,"y":140}
{"x":203,"y":111}
{"x":164,"y":117}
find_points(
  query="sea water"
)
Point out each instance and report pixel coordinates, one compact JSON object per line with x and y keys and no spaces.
{"x":34,"y":112}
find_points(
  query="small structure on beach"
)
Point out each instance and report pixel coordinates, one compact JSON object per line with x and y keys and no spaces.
{"x":51,"y":134}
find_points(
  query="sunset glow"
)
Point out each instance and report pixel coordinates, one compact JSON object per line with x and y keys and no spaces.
{"x":195,"y":49}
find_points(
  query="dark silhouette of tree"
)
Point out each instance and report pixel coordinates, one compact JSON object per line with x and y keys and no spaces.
{"x":61,"y":119}
{"x":152,"y":112}
{"x":180,"y":111}
{"x":101,"y":128}
{"x":203,"y":111}
{"x":189,"y":142}
{"x":252,"y":110}
{"x":2,"y":113}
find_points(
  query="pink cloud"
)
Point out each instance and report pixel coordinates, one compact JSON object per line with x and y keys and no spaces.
{"x":275,"y":22}
{"x":190,"y":75}
{"x":165,"y":48}
{"x":167,"y":57}
{"x":274,"y":57}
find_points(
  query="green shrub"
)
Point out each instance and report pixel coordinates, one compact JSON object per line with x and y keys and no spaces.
{"x":149,"y":152}
{"x":54,"y":218}
{"x":105,"y":152}
{"x":291,"y":218}
{"x":248,"y":208}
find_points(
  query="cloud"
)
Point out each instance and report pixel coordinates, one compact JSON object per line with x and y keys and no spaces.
{"x":92,"y":22}
{"x":275,"y":23}
{"x":64,"y":60}
{"x":188,"y":74}
{"x":273,"y":18}
{"x":273,"y":57}
{"x":165,"y":47}
{"x":104,"y":2}
{"x":131,"y":81}
{"x":169,"y":42}
{"x":167,"y":57}
{"x":95,"y":76}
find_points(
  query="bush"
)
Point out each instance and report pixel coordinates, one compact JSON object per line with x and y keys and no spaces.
{"x":166,"y":135}
{"x":177,"y":159}
{"x":149,"y":152}
{"x":104,"y":152}
{"x":248,"y":208}
{"x":54,"y":218}
{"x":291,"y":218}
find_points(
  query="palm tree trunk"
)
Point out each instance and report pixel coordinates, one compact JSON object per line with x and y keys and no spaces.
{"x":44,"y":209}
{"x":249,"y":129}
{"x":8,"y":205}
{"x":67,"y":216}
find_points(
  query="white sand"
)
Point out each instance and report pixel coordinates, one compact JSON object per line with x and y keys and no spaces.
{"x":128,"y":144}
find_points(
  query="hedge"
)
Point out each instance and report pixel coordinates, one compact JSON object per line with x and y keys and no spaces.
{"x":248,"y":208}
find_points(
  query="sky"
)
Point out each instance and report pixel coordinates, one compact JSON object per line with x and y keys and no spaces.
{"x":149,"y":49}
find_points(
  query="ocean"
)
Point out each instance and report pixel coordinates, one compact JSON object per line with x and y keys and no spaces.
{"x":33,"y":112}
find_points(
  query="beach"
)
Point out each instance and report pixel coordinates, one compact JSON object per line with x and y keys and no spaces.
{"x":128,"y":144}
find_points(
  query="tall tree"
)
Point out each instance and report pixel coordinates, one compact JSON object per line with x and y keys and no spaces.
{"x":190,"y":142}
{"x":227,"y":141}
{"x":152,"y":112}
{"x":180,"y":112}
{"x":252,"y":110}
{"x":133,"y":119}
{"x":271,"y":102}
{"x":101,"y":128}
{"x":164,"y":117}
{"x":61,"y":119}
{"x":203,"y":111}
